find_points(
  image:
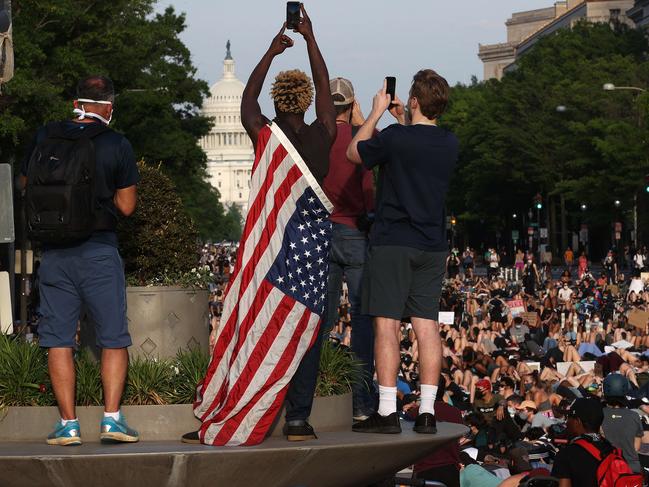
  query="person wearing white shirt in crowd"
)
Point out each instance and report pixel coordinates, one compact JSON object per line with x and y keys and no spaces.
{"x":636,"y":285}
{"x":639,"y":260}
{"x":565,"y":295}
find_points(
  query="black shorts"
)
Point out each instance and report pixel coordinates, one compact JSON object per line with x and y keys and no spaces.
{"x":403,"y":282}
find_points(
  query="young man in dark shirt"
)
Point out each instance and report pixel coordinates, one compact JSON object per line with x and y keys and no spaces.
{"x":89,"y":272}
{"x":573,"y":465}
{"x":622,"y":426}
{"x":408,"y":239}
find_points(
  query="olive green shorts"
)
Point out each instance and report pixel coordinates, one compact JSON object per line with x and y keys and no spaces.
{"x":403,"y":282}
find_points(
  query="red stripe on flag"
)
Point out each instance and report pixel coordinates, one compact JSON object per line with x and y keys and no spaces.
{"x":259,"y":432}
{"x":221,"y":348}
{"x":282,"y":194}
{"x":257,"y":356}
{"x":262,"y":139}
{"x":258,"y":204}
{"x":230,"y":427}
{"x":224,"y":338}
{"x":223,"y":342}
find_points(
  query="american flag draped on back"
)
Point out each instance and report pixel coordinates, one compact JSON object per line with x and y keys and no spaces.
{"x":275,"y":299}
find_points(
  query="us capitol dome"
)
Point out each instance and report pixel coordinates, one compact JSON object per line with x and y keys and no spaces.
{"x":230,"y":153}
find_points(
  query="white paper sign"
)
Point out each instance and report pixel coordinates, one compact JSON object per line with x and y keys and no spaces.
{"x":446,"y":317}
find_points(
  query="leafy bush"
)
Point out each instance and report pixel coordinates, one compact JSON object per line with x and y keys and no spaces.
{"x":339,"y":369}
{"x":189,"y":368}
{"x":148,"y":382}
{"x":24,"y":378}
{"x":89,"y":388}
{"x":157,"y":242}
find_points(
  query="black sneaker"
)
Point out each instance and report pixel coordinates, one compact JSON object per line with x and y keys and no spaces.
{"x":426,"y":424}
{"x":299,"y":432}
{"x":379,"y":424}
{"x":191,"y":438}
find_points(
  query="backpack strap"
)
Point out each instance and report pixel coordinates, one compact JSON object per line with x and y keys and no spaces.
{"x":590,"y":448}
{"x":56,"y":130}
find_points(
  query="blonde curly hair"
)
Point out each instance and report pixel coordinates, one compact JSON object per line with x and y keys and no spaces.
{"x":292,"y":91}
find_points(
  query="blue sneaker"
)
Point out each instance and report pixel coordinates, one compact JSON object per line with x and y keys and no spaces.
{"x":64,"y":435}
{"x":113,"y":431}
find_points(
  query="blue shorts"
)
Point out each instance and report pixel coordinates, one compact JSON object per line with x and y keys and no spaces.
{"x":91,"y":276}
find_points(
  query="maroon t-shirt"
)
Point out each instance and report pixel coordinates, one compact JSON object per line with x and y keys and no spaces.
{"x":348,"y":186}
{"x":610,"y":363}
{"x":450,"y":454}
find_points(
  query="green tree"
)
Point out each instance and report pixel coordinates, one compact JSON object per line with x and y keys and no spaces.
{"x":159,"y":96}
{"x":514,"y":142}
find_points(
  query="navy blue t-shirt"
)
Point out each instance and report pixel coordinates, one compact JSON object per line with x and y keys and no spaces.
{"x":416,"y":163}
{"x":115,"y":169}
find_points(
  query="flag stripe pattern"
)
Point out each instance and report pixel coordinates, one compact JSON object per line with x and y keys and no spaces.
{"x":275,"y":301}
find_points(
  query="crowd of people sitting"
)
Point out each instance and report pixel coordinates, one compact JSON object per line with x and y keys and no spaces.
{"x":523,"y":353}
{"x":220,"y":258}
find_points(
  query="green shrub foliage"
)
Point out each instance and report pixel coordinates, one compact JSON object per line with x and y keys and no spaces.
{"x":339,"y":369}
{"x":159,"y":239}
{"x":24,"y":379}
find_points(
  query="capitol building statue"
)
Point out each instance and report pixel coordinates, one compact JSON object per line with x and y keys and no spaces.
{"x":230,"y":153}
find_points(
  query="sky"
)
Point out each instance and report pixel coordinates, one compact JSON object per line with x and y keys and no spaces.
{"x":362,"y":40}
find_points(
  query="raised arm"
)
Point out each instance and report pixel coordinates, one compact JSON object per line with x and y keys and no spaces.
{"x":380,"y":104}
{"x":251,"y":116}
{"x":324,"y":104}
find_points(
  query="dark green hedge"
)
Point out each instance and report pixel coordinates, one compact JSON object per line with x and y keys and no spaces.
{"x":159,"y":240}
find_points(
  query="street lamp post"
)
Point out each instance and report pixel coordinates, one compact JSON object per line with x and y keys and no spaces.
{"x":612,"y":87}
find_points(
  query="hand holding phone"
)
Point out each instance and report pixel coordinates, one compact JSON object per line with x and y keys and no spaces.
{"x":292,"y":15}
{"x":391,"y":85}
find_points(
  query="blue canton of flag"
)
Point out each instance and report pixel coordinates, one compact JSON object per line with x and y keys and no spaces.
{"x":302,"y":265}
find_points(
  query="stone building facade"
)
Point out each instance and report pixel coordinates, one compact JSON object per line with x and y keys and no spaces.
{"x":639,"y":13}
{"x":524,"y":29}
{"x":229,"y":151}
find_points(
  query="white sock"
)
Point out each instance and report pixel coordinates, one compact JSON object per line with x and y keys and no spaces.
{"x":428,"y":394}
{"x":115,"y":416}
{"x":66,"y":421}
{"x":387,"y":400}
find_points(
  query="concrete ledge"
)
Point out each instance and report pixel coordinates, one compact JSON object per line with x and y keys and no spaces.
{"x":155,"y":423}
{"x":337,"y":459}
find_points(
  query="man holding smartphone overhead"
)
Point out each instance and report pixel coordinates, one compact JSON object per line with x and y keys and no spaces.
{"x":408,"y":245}
{"x":267,"y":345}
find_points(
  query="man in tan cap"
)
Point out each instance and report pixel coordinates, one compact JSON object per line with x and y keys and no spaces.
{"x":528,"y":411}
{"x":350,"y":188}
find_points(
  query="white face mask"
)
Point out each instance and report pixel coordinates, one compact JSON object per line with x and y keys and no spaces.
{"x":82,"y":113}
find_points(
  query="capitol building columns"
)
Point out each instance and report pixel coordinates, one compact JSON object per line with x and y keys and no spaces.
{"x":229,"y":151}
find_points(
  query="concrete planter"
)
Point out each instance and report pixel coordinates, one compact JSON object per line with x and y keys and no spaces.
{"x":161,"y":320}
{"x":155,"y":423}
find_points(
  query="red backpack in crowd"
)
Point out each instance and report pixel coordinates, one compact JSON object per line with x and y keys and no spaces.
{"x":613,"y":469}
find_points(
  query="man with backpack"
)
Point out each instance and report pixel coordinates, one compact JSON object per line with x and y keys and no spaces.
{"x":79,"y":176}
{"x":590,"y":460}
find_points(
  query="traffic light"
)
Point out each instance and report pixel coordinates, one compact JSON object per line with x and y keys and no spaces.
{"x":646,"y":183}
{"x":453,"y":221}
{"x":538,"y":201}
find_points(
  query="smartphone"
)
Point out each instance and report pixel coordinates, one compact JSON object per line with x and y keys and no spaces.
{"x":292,"y":15}
{"x":391,"y":82}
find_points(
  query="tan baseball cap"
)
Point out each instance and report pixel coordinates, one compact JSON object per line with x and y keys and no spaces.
{"x":344,"y":88}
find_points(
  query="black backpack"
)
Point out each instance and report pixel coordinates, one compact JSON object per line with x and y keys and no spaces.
{"x":61,"y":202}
